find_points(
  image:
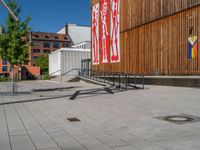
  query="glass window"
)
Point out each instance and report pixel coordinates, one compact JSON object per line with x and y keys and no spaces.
{"x":4,"y":68}
{"x":36,"y":50}
{"x":36,"y":43}
{"x":4,"y":62}
{"x":56,"y":37}
{"x":46,"y":45}
{"x":35,"y":57}
{"x":46,"y":37}
{"x":65,"y":44}
{"x":36,"y":36}
{"x":56,"y":45}
{"x":46,"y":51}
{"x":65,"y":38}
{"x":26,"y":62}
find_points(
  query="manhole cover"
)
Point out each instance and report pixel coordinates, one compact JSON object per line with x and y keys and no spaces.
{"x":73,"y":119}
{"x":180,"y":119}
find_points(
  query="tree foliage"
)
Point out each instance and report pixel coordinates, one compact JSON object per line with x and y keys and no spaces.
{"x":14,"y":43}
{"x":43,"y":63}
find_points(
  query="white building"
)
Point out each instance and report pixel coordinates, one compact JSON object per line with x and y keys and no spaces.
{"x":66,"y":61}
{"x":82,"y":45}
{"x":77,"y":33}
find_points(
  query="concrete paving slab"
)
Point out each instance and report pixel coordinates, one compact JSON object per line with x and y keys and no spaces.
{"x":57,"y":134}
{"x":125,"y":148}
{"x":85,"y":139}
{"x":123,"y":120}
{"x":22,"y":143}
{"x":182,"y":143}
{"x":15,"y":125}
{"x":40,"y":138}
{"x":4,"y":137}
{"x":54,"y":148}
{"x":108,"y":140}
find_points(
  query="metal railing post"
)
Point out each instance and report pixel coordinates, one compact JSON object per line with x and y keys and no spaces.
{"x":143,"y":82}
{"x":104,"y":77}
{"x":135,"y":81}
{"x":126,"y":80}
{"x":119,"y":80}
{"x":113,"y":80}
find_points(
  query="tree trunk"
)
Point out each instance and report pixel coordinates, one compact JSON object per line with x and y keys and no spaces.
{"x":19,"y":73}
{"x":12,"y":82}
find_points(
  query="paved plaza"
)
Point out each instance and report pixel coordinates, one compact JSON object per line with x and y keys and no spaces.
{"x":37,"y":117}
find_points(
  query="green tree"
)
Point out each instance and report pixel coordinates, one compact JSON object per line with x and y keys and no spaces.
{"x":14,"y":43}
{"x":43,"y":63}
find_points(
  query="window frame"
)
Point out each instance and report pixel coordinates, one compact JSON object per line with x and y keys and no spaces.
{"x":45,"y":43}
{"x":46,"y":52}
{"x":58,"y":46}
{"x":35,"y":57}
{"x":6,"y":70}
{"x":36,"y":51}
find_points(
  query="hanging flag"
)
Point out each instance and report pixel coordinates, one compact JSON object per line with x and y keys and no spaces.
{"x":95,"y":34}
{"x":104,"y":28}
{"x":115,"y":31}
{"x":192,"y":47}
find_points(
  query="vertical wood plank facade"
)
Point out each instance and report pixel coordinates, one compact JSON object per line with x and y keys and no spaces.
{"x":154,"y":37}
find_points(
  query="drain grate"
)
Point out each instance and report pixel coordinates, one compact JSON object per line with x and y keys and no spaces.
{"x":180,"y":119}
{"x":73,"y":119}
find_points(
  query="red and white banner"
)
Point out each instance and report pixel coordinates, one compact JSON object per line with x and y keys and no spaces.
{"x":115,"y":31}
{"x":95,"y":34}
{"x":104,"y":34}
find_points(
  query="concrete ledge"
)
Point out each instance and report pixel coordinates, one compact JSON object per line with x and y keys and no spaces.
{"x":92,"y":81}
{"x":180,"y":81}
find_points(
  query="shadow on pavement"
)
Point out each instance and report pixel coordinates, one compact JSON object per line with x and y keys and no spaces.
{"x":34,"y":100}
{"x":98,"y":91}
{"x":55,"y":89}
{"x":82,"y":93}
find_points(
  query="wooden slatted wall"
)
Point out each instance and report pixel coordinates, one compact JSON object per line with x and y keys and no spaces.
{"x":154,"y":37}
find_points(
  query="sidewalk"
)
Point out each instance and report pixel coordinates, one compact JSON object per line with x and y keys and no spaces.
{"x":125,"y":120}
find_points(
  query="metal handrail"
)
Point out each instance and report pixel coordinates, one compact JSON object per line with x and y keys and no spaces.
{"x":75,"y":69}
{"x":98,"y":74}
{"x":118,"y":78}
{"x":54,"y":72}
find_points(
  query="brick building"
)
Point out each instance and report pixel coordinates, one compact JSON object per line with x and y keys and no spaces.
{"x":42,"y":43}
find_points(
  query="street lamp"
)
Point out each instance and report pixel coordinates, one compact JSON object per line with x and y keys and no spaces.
{"x":16,"y":19}
{"x":9,"y":10}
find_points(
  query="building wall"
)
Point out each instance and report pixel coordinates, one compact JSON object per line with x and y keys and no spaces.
{"x":77,"y":33}
{"x":30,"y":72}
{"x":66,"y":59}
{"x":138,"y":12}
{"x":55,"y":64}
{"x":4,"y":68}
{"x":72,"y":59}
{"x":154,"y":37}
{"x":83,"y":45}
{"x":24,"y":69}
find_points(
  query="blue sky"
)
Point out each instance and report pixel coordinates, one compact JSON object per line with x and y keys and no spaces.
{"x":52,"y":15}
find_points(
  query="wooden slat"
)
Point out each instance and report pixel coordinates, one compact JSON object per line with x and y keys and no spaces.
{"x":159,"y":47}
